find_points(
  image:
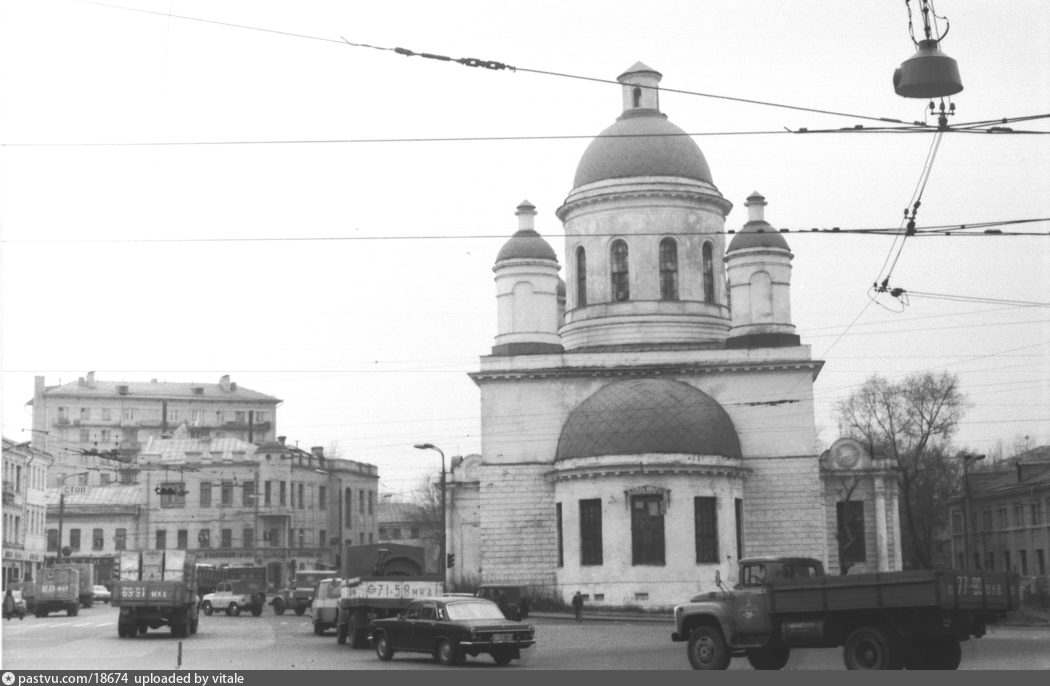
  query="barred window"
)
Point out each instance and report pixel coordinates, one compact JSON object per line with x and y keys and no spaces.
{"x":591,"y":532}
{"x":647,"y":529}
{"x":705,"y":528}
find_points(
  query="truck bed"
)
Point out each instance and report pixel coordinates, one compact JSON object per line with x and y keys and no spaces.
{"x":941,"y":588}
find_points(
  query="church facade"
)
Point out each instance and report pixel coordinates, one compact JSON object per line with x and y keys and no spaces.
{"x":648,"y":420}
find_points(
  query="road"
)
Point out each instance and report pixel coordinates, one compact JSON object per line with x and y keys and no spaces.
{"x":89,"y":642}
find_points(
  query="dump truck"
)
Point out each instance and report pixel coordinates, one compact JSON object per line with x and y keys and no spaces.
{"x":57,"y":589}
{"x":87,"y":581}
{"x":886,"y":620}
{"x":300,"y":591}
{"x":156,"y":588}
{"x":376,"y":580}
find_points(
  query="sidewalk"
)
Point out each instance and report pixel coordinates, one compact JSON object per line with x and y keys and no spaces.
{"x":607,"y":616}
{"x":1027,"y":616}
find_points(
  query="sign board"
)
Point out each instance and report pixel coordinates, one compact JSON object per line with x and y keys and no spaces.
{"x":76,"y":490}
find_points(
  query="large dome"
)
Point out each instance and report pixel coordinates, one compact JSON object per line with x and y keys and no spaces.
{"x":648,"y":416}
{"x":642,"y":142}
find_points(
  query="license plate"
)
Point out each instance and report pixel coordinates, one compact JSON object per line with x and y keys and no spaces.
{"x":502,"y":637}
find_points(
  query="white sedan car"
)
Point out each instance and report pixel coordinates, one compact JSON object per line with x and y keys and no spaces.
{"x":102,"y":594}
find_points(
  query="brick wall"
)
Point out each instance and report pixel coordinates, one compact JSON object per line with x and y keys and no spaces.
{"x":518,"y":528}
{"x":784,"y":507}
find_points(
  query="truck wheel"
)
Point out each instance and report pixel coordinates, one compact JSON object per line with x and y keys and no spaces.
{"x":341,"y":634}
{"x":143,"y":628}
{"x":208,"y":609}
{"x":502,"y":656}
{"x":872,"y":648}
{"x":773,"y":656}
{"x":300,"y":610}
{"x":233,"y":610}
{"x":278,"y":605}
{"x":708,"y":649}
{"x":256,"y":610}
{"x":383,"y":650}
{"x":318,"y":627}
{"x":193,"y":625}
{"x":358,"y":633}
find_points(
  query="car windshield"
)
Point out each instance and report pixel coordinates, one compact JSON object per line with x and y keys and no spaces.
{"x":473,"y":610}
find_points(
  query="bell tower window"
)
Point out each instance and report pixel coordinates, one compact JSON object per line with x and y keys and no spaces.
{"x":668,"y":269}
{"x":636,"y":95}
{"x":621,"y":289}
{"x":581,"y":277}
{"x":709,"y":274}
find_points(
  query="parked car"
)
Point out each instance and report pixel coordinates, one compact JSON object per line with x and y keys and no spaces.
{"x":450,"y":628}
{"x":17,"y":606}
{"x":513,"y":600}
{"x":101,"y":593}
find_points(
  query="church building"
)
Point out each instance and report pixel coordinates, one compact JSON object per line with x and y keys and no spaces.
{"x":649,"y":420}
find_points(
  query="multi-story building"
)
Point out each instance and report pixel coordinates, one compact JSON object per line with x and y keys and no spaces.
{"x":1002,"y":519}
{"x":90,"y":423}
{"x":227,"y":500}
{"x":24,"y":478}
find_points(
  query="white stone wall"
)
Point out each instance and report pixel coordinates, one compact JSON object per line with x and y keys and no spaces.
{"x":518,"y":534}
{"x":784,"y":512}
{"x":617,"y":581}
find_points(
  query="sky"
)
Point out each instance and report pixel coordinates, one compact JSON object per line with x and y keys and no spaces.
{"x":267,"y":190}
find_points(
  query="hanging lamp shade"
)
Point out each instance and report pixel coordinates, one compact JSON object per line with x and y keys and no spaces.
{"x":929,"y":73}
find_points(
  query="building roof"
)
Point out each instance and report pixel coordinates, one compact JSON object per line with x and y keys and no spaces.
{"x":113,"y":494}
{"x":642,"y":143}
{"x":224,"y":390}
{"x":526,"y":244}
{"x":391,"y":512}
{"x":757,"y":235}
{"x":640,"y":416}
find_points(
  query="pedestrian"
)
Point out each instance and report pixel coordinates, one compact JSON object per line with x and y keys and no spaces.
{"x":577,"y":606}
{"x":9,"y":604}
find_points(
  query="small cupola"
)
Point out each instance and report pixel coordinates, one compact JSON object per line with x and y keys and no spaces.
{"x":758,"y":269}
{"x":641,"y":88}
{"x":527,"y":299}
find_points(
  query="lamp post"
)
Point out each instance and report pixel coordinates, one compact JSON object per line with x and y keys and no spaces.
{"x":442,"y":560}
{"x":62,"y":510}
{"x":967,"y":458}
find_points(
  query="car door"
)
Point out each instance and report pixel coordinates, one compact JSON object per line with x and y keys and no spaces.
{"x":400,"y":631}
{"x":423,"y":627}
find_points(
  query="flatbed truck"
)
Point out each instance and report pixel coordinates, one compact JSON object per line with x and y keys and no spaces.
{"x":886,"y":620}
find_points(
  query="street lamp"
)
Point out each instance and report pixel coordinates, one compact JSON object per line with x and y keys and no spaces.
{"x":967,"y":458}
{"x":442,"y":560}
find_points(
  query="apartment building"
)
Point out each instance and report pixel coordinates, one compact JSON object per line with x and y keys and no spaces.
{"x":1002,"y":520}
{"x":227,"y":500}
{"x":24,"y":478}
{"x":92,"y":423}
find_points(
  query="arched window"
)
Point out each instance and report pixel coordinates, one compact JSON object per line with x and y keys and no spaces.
{"x":637,"y":93}
{"x":668,"y":269}
{"x":621,"y":289}
{"x":709,"y":274}
{"x":581,"y":277}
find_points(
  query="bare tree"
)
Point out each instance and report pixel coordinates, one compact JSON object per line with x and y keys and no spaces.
{"x":427,"y":514}
{"x":912,"y":423}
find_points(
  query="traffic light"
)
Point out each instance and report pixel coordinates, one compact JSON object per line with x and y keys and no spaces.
{"x":450,"y":560}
